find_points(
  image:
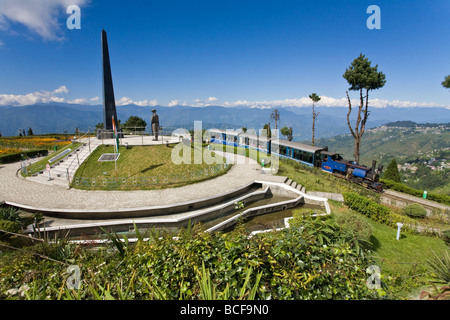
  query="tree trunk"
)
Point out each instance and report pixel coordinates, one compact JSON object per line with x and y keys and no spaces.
{"x":315,"y":115}
{"x":357,"y":132}
{"x":314,"y":120}
{"x":357,"y":146}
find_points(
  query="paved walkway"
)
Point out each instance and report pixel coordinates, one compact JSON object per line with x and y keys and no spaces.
{"x":16,"y":190}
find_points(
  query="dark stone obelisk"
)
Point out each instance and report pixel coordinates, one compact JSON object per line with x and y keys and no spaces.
{"x":109,"y":104}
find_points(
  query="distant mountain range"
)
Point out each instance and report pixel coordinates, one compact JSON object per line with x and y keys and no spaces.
{"x":60,"y":117}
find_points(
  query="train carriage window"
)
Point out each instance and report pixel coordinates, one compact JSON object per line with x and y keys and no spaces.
{"x":283,"y":150}
{"x":297,"y":154}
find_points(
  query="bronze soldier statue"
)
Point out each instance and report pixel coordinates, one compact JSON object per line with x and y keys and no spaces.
{"x":155,"y":125}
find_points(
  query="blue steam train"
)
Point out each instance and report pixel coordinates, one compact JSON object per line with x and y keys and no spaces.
{"x":311,"y":156}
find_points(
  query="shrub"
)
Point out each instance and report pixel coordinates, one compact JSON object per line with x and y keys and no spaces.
{"x":10,"y":214}
{"x":378,"y":212}
{"x":440,"y":268}
{"x":16,"y":157}
{"x":9,"y":226}
{"x":415,"y":210}
{"x":391,"y":172}
{"x":446,"y":235}
{"x":366,"y":206}
{"x":355,"y":224}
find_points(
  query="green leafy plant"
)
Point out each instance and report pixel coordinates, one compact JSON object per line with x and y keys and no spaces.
{"x":8,"y":226}
{"x":440,"y":269}
{"x":354,"y":224}
{"x":446,"y":235}
{"x":208,"y":290}
{"x":117,"y":242}
{"x":378,"y":212}
{"x":415,"y":210}
{"x":10,"y":213}
{"x":238,"y":205}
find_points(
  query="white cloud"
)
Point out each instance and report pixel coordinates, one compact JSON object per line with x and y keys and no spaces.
{"x":39,"y":16}
{"x":62,"y":89}
{"x":326,"y":102}
{"x":204,"y":103}
{"x":142,"y":103}
{"x":57,"y":95}
{"x":42,"y":97}
{"x":34,"y":97}
{"x":174,"y":103}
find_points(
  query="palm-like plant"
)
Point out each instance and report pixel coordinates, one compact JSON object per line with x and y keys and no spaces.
{"x":440,"y":269}
{"x":439,"y":277}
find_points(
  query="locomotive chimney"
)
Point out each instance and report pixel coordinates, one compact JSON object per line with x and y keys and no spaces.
{"x":374,"y":164}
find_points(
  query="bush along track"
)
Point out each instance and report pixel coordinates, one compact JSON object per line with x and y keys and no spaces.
{"x":383,"y":214}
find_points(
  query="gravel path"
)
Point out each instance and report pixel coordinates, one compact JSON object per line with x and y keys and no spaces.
{"x":17,"y":190}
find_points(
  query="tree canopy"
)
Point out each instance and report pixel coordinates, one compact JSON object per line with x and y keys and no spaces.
{"x":446,"y":82}
{"x":391,"y":172}
{"x":287,"y":132}
{"x":268,"y":131}
{"x":135,"y":122}
{"x":361,"y":75}
{"x":314,"y":97}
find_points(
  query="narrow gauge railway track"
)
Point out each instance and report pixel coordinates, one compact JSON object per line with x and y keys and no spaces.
{"x":400,"y":197}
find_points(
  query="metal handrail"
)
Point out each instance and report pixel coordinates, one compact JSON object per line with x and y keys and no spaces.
{"x":72,"y":167}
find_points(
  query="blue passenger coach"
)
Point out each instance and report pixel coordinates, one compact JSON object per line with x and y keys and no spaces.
{"x":308,"y":155}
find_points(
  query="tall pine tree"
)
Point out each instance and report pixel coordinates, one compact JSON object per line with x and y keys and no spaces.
{"x":362,"y":77}
{"x":391,"y":172}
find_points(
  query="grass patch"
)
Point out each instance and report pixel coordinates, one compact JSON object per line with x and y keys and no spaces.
{"x":402,"y":262}
{"x":314,"y":179}
{"x":142,"y":168}
{"x":252,"y":154}
{"x":41,"y":164}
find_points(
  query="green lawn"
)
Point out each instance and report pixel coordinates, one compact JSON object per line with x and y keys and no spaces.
{"x":402,"y":262}
{"x":142,"y":167}
{"x":252,"y":154}
{"x":41,"y":164}
{"x":314,"y":179}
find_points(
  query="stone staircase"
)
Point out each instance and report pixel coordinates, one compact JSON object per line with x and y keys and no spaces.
{"x":295,"y":185}
{"x":66,"y":167}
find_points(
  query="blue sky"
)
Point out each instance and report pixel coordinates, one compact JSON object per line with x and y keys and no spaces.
{"x":231,"y":53}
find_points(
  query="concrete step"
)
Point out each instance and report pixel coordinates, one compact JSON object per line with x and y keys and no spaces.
{"x":54,"y":175}
{"x":54,"y":181}
{"x":58,"y":172}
